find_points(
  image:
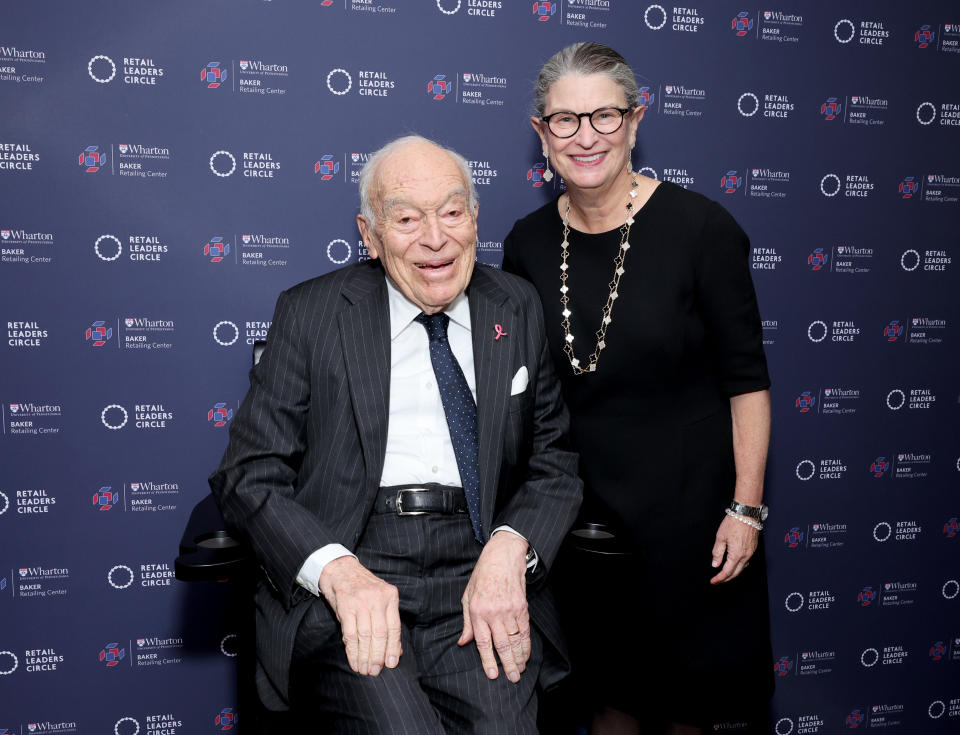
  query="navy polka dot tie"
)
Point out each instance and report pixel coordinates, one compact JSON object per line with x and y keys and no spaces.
{"x":460,"y":410}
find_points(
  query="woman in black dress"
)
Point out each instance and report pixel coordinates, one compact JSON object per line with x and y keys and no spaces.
{"x":653,"y":324}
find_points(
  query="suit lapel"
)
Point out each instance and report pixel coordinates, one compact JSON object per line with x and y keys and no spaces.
{"x":365,"y":340}
{"x":492,"y":360}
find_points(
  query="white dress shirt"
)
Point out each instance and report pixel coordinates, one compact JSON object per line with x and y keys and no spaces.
{"x":418,"y":449}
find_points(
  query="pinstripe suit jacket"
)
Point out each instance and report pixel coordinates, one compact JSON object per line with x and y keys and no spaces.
{"x":307,"y":445}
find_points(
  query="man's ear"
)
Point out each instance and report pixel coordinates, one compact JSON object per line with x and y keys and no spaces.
{"x":366,"y":232}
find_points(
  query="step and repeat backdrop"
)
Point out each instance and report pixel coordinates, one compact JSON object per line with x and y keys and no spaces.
{"x":168,"y":168}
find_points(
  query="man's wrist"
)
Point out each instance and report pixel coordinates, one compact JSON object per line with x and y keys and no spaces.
{"x":309,"y":575}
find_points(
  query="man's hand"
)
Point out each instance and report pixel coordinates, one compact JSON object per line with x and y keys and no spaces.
{"x":495,"y":606}
{"x":738,"y":541}
{"x":369,"y":613}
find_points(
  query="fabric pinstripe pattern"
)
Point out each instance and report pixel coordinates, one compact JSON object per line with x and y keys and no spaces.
{"x":307,"y":445}
{"x":439,"y":687}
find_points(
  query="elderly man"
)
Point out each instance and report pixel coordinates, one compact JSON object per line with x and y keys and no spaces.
{"x":400,"y":470}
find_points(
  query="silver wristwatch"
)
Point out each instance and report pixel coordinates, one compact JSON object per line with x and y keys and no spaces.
{"x":758,"y":513}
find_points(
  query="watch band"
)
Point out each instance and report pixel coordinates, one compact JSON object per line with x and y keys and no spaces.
{"x":758,"y":513}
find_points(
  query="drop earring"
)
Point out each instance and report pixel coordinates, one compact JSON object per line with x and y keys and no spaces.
{"x":547,"y":173}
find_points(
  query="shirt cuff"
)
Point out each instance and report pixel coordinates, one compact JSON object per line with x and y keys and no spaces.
{"x":309,"y":575}
{"x":532,"y":558}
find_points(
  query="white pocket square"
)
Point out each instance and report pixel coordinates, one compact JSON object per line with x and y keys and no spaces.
{"x":519,"y":382}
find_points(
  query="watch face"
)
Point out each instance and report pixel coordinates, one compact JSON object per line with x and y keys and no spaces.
{"x":764,"y":512}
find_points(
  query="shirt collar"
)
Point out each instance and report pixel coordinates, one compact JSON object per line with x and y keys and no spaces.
{"x":403,"y":311}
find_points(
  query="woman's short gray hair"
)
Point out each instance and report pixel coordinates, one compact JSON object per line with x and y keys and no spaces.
{"x":582,"y":59}
{"x":369,"y":170}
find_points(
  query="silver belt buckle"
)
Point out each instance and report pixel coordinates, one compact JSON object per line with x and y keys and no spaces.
{"x":400,"y":510}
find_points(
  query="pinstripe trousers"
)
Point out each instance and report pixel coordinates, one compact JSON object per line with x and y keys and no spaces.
{"x":438,"y":687}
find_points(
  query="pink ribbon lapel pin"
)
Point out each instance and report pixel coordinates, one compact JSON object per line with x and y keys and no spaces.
{"x":499,"y":332}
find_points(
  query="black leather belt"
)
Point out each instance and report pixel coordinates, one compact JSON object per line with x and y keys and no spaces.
{"x":415,"y":500}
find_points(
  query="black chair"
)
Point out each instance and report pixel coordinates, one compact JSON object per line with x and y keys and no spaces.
{"x":209,"y":553}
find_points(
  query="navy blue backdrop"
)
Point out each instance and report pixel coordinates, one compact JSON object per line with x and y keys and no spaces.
{"x":168,"y":168}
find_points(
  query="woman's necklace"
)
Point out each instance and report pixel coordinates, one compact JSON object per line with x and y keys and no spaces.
{"x":607,"y":314}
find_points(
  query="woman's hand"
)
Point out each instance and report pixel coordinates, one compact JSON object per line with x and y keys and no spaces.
{"x":737,"y":541}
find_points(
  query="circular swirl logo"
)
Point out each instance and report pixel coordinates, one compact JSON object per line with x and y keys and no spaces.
{"x":817,"y":328}
{"x":112,"y":409}
{"x":108,"y":238}
{"x":126,"y":730}
{"x":345,"y":258}
{"x":954,"y":589}
{"x":219,"y":170}
{"x":910,"y":255}
{"x":937,"y":709}
{"x":220,"y":328}
{"x":806,"y":465}
{"x":869,"y":657}
{"x":5,"y":667}
{"x":882,"y":532}
{"x":101,"y":79}
{"x":922,"y":117}
{"x":783,"y":721}
{"x":228,"y":645}
{"x":831,"y":191}
{"x":4,"y":503}
{"x":336,"y":75}
{"x":445,"y":11}
{"x":793,"y":602}
{"x":896,"y":399}
{"x":751,"y":110}
{"x":113,"y":576}
{"x":848,"y":24}
{"x":657,"y":9}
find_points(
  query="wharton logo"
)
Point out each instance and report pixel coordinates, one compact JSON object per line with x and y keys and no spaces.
{"x":793,"y":538}
{"x":226,"y":720}
{"x":105,"y":498}
{"x":544,"y":11}
{"x":908,"y":187}
{"x":535,"y":175}
{"x":783,"y":666}
{"x":219,"y":414}
{"x":439,"y":87}
{"x":817,"y":259}
{"x":879,"y":466}
{"x":854,"y":719}
{"x":805,"y":401}
{"x":112,"y":654}
{"x":93,"y":159}
{"x":742,"y":24}
{"x":831,"y":108}
{"x":326,"y":167}
{"x":893,"y":330}
{"x":730,"y":182}
{"x":213,"y":75}
{"x":216,"y":249}
{"x":925,"y":36}
{"x":98,"y":334}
